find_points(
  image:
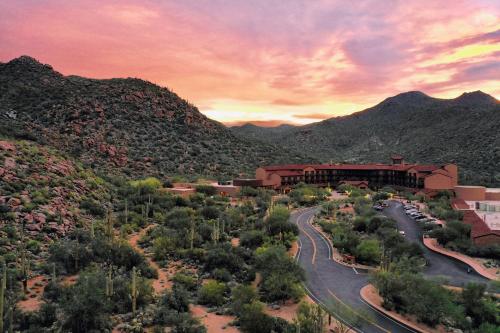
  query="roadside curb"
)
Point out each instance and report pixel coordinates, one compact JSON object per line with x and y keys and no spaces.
{"x":471,"y":263}
{"x":369,"y":288}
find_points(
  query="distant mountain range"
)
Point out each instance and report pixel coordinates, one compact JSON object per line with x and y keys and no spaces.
{"x":464,"y":130}
{"x":123,"y":126}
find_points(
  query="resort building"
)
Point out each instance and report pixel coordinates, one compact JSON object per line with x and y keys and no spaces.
{"x":481,"y":210}
{"x":398,"y":173}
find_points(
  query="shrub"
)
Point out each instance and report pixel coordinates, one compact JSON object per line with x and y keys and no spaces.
{"x":93,"y":207}
{"x":368,"y":251}
{"x":187,"y":281}
{"x":221,"y":274}
{"x":208,"y":190}
{"x":252,"y":238}
{"x":212,"y":293}
{"x":240,"y":296}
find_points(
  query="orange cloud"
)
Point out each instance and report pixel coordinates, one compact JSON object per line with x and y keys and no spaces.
{"x":320,"y":116}
{"x":262,"y":123}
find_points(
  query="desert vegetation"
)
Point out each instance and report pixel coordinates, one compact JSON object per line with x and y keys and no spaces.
{"x":358,"y":230}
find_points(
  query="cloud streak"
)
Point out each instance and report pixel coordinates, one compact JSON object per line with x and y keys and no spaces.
{"x":267,"y":60}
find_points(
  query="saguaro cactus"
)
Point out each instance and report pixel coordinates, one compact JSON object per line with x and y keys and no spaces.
{"x":3,"y":286}
{"x":54,"y":276}
{"x":109,"y":221}
{"x":148,"y":207}
{"x":133,"y":291}
{"x":25,"y":267}
{"x":126,"y":211}
{"x":191,"y":234}
{"x":11,"y":319}
{"x":109,"y":283}
{"x":216,"y":231}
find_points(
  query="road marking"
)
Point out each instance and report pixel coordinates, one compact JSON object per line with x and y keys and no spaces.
{"x":357,"y":313}
{"x":313,"y":259}
{"x":317,"y":300}
{"x":386,"y":316}
{"x":314,"y":246}
{"x":333,"y":295}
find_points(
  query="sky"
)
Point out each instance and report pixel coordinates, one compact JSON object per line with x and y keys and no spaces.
{"x":267,"y":61}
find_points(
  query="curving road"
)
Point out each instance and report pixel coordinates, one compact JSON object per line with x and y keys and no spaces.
{"x":327,"y":279}
{"x":455,"y":272}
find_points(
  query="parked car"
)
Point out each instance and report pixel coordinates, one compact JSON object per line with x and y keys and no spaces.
{"x":421,"y":218}
{"x":402,"y":233}
{"x":377,"y":207}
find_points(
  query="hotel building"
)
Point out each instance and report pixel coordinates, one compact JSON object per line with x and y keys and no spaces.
{"x":398,"y":174}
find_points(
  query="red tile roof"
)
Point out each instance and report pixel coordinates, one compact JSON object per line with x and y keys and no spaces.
{"x":287,"y":173}
{"x":425,"y":168}
{"x":459,"y":204}
{"x":441,"y":172}
{"x":479,"y":228}
{"x":286,"y":167}
{"x":370,"y":166}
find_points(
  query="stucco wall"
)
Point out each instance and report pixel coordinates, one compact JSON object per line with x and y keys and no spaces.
{"x":470,"y":193}
{"x":261,"y":174}
{"x":487,"y":240}
{"x":493,"y":196}
{"x":438,"y":182}
{"x":273,"y":180}
{"x":453,"y":171}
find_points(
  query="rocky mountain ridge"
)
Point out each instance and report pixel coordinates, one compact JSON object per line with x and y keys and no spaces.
{"x":126,"y":126}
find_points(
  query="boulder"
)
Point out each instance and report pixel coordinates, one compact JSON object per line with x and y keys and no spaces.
{"x":13,"y":202}
{"x":6,"y":145}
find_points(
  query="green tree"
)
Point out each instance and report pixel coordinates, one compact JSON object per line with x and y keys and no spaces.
{"x":368,"y":251}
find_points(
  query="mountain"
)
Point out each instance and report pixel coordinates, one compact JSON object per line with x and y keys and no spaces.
{"x":260,"y":133}
{"x":127,"y":126}
{"x":464,"y":130}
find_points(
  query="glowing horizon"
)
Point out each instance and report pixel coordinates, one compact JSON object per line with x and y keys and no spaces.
{"x":267,"y":62}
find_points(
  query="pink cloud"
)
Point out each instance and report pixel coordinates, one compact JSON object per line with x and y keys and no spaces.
{"x":291,"y":54}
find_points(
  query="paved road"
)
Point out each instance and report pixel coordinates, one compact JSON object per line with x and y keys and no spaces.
{"x":438,"y":265}
{"x":326,"y":279}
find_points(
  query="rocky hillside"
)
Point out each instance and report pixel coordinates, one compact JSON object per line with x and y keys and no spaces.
{"x":464,"y":130}
{"x":126,"y":126}
{"x":43,"y":195}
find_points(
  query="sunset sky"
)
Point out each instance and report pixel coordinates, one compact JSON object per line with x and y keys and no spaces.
{"x":267,"y":61}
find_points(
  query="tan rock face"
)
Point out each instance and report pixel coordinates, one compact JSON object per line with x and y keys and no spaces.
{"x":5,"y":145}
{"x":9,"y":163}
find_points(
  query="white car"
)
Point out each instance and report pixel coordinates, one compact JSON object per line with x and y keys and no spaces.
{"x":402,"y":233}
